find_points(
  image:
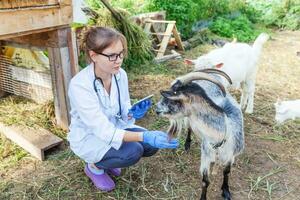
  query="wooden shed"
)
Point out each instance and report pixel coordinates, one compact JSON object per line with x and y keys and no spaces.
{"x":44,"y":25}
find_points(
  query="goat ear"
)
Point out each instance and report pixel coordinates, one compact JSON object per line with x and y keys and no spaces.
{"x":166,"y":94}
{"x":189,"y":62}
{"x":219,"y":65}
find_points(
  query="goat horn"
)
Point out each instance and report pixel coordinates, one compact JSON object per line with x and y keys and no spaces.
{"x":192,"y":76}
{"x":216,"y":71}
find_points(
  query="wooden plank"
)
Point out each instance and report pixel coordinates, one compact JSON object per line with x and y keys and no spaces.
{"x":157,"y":50}
{"x":165,"y":40}
{"x":2,"y":93}
{"x":33,"y":19}
{"x":65,"y":2}
{"x":72,"y":44}
{"x":23,"y":46}
{"x":39,"y":78}
{"x":160,"y":21}
{"x":35,"y":141}
{"x":60,"y":66}
{"x":44,"y":38}
{"x":9,"y":4}
{"x":58,"y":83}
{"x":5,"y":4}
{"x":162,"y":34}
{"x":177,"y":39}
{"x":147,"y":27}
{"x":167,"y":57}
{"x":140,"y":19}
{"x":66,"y":69}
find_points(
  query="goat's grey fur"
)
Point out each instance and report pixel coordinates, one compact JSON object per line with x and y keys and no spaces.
{"x":215,"y":119}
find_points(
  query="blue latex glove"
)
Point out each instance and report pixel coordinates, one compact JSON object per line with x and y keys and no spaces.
{"x":159,"y":140}
{"x":138,"y":111}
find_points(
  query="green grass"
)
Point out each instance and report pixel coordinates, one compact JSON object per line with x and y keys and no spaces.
{"x":262,"y":182}
{"x":10,"y":153}
{"x":276,"y":138}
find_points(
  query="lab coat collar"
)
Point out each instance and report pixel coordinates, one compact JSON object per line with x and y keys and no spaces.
{"x":113,"y":98}
{"x":91,"y":73}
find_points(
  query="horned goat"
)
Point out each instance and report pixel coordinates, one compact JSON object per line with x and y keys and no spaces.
{"x":239,"y":61}
{"x":212,"y":114}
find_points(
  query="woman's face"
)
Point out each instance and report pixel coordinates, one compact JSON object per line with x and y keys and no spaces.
{"x":110,"y":59}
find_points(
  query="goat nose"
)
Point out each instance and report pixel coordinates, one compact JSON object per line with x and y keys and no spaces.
{"x":157,"y":111}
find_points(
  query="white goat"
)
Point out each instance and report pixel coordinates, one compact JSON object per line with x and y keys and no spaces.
{"x":287,"y":110}
{"x":212,"y":114}
{"x":239,"y":61}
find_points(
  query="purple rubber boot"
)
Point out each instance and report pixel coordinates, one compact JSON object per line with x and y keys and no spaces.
{"x":114,"y":171}
{"x":102,"y":182}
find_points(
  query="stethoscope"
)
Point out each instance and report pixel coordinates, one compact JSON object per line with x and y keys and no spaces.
{"x":119,"y":115}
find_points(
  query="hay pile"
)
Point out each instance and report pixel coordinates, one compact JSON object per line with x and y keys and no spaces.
{"x":139,"y":45}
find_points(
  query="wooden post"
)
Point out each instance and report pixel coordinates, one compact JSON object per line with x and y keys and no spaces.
{"x":165,"y":40}
{"x":2,"y":93}
{"x":177,"y":39}
{"x":166,"y":36}
{"x":61,"y":72}
{"x":72,"y":44}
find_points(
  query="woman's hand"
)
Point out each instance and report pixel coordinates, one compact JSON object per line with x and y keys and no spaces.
{"x":159,"y":140}
{"x":138,"y":111}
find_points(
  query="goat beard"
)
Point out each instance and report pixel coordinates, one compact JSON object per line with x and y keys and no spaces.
{"x":175,"y":127}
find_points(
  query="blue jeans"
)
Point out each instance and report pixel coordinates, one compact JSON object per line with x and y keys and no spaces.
{"x":128,"y":154}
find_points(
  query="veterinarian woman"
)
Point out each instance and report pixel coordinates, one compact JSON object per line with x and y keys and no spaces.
{"x":102,"y":130}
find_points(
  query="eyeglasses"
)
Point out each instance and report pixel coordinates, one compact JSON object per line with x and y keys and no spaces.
{"x":113,"y":57}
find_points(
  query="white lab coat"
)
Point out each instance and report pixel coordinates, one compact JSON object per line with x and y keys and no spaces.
{"x":94,"y":128}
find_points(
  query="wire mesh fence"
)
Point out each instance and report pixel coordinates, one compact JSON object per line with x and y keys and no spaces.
{"x":28,"y":79}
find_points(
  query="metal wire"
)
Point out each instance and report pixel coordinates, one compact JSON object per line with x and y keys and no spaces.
{"x":26,"y":82}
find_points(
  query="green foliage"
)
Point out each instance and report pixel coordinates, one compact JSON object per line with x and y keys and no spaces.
{"x":187,"y":12}
{"x":291,"y":20}
{"x":183,"y":11}
{"x":132,"y":6}
{"x":208,"y":8}
{"x":241,"y":28}
{"x":252,"y":13}
{"x":82,"y":60}
{"x":279,"y":13}
{"x":94,"y":4}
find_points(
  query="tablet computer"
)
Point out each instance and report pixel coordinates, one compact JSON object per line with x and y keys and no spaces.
{"x":141,"y":100}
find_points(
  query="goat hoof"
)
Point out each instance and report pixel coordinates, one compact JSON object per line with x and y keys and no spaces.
{"x":226,"y":195}
{"x":203,"y":197}
{"x":187,"y":147}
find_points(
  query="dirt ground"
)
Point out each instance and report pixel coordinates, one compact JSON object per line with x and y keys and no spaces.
{"x":269,"y":168}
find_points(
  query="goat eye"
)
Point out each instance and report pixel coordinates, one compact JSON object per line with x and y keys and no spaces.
{"x":174,"y":92}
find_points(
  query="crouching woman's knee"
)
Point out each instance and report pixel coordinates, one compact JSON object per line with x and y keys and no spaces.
{"x":149,"y":150}
{"x":134,"y":154}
